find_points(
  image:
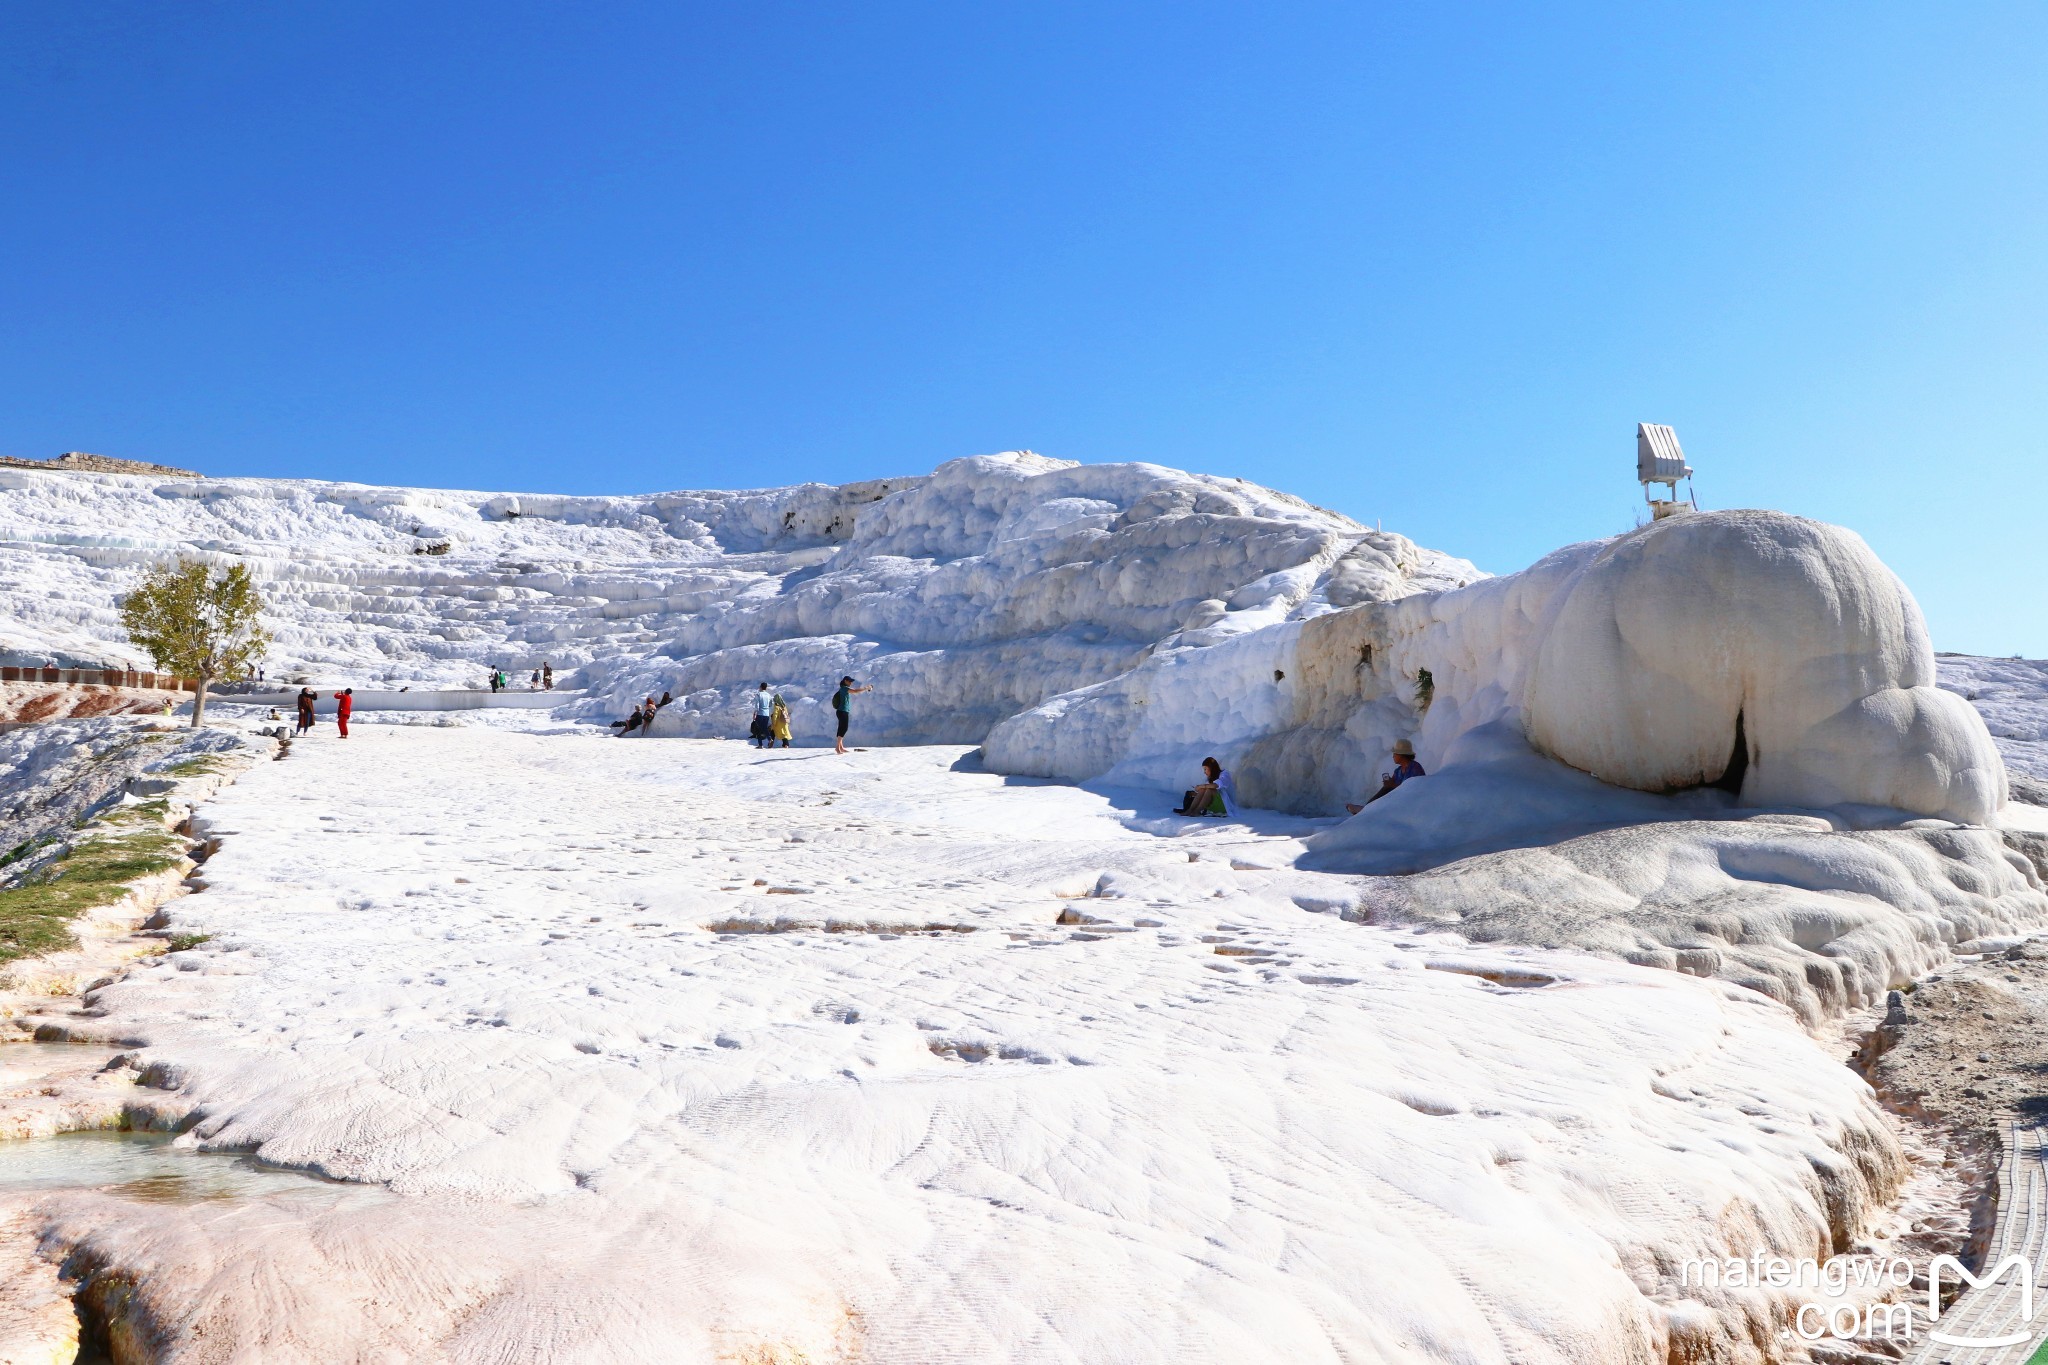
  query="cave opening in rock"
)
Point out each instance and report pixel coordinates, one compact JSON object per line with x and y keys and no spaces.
{"x":1730,"y":780}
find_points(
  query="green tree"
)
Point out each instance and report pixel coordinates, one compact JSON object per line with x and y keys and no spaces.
{"x":197,"y":623}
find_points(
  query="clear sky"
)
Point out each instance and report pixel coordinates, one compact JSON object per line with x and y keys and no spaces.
{"x":1426,"y":268}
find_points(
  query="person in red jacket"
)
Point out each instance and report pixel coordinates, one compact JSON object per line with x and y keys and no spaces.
{"x":344,"y":704}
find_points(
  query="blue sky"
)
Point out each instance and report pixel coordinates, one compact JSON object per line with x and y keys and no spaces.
{"x":1426,"y":268}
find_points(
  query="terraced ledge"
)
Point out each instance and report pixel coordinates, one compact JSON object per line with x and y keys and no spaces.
{"x":79,"y":921}
{"x":77,"y":924}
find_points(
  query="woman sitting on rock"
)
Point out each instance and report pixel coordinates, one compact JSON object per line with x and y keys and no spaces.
{"x":1216,"y":796}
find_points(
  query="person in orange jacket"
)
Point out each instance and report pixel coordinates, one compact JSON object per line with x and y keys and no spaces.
{"x":344,"y":704}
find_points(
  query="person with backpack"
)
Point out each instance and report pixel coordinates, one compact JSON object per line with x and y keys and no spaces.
{"x":344,"y":703}
{"x":842,"y":703}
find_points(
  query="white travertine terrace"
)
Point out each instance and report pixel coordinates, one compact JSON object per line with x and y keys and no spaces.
{"x":685,"y":1051}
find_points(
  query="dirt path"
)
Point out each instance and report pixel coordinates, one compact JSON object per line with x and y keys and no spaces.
{"x":1967,"y":1051}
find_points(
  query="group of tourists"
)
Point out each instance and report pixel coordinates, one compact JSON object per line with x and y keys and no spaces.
{"x":769,"y":727}
{"x":1214,"y":795}
{"x":771,"y":719}
{"x":769,"y":716}
{"x":641,"y":717}
{"x":344,"y":707}
{"x":543,"y":679}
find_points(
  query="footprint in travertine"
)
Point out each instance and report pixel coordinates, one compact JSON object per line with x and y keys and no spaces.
{"x":1081,"y":886}
{"x":785,"y":925}
{"x":978,"y":1050}
{"x":1087,"y":928}
{"x":1499,"y":976}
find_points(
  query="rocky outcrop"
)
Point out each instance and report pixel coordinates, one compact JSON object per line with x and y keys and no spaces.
{"x":79,"y":462}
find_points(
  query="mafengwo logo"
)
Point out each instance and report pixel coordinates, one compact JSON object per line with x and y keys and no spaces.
{"x":1997,"y":1315}
{"x":2017,"y":1328}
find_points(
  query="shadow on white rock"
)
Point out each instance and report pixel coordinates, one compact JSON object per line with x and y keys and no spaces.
{"x":1815,"y":915}
{"x":1494,"y":792}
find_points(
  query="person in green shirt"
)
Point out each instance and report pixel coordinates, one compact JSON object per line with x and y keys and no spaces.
{"x":842,"y":702}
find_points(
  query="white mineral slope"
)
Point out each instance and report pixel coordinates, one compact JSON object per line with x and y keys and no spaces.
{"x":1001,"y":581}
{"x":966,"y":595}
{"x":2012,"y":696}
{"x":409,"y":585}
{"x":683,"y":1051}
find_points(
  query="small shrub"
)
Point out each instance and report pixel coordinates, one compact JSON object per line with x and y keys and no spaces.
{"x":182,"y":942}
{"x":1425,"y":689}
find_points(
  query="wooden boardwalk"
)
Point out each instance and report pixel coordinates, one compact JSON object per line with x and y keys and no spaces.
{"x":1995,"y":1310}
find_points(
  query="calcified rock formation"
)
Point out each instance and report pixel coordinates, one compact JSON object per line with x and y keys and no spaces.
{"x":2012,"y":696}
{"x":757,"y":1056}
{"x":1759,"y":645}
{"x":1138,"y":617}
{"x":1770,"y":653}
{"x":965,"y":596}
{"x":1593,"y":725}
{"x":1001,"y":581}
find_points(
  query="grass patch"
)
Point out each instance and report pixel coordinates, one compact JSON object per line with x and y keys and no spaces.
{"x":34,"y":916}
{"x":151,"y":814}
{"x":191,"y":767}
{"x":22,"y":850}
{"x":181,"y":942}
